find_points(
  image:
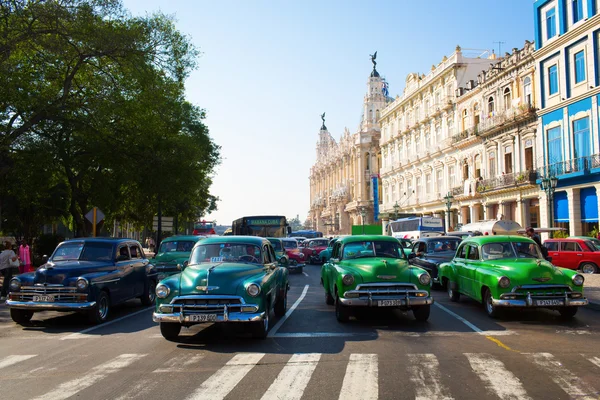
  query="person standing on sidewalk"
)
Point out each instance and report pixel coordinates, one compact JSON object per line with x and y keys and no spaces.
{"x":25,"y":256}
{"x":7,"y":257}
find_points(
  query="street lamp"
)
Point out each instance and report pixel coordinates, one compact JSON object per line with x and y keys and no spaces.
{"x":548,"y":185}
{"x":448,"y":199}
{"x":363,"y":214}
{"x":396,"y":208}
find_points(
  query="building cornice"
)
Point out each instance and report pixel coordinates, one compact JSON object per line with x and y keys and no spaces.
{"x":563,"y":40}
{"x":589,"y":93}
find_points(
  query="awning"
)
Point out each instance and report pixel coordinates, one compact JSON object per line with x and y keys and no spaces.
{"x":561,"y":207}
{"x":589,"y":204}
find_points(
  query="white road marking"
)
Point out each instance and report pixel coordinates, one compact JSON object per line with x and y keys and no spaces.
{"x":458,"y":317}
{"x":82,"y":334}
{"x":361,"y":379}
{"x":574,"y":332}
{"x":304,"y":273}
{"x":224,"y":380}
{"x":320,"y":334}
{"x":594,"y":360}
{"x":293,"y":378}
{"x":180,"y":363}
{"x":11,"y":360}
{"x":70,"y":388}
{"x":424,"y":370}
{"x":143,"y":389}
{"x":397,"y":333}
{"x":571,"y":384}
{"x":496,"y":377}
{"x":288,"y":313}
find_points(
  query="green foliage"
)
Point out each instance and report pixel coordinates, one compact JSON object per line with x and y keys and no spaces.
{"x":594,"y":232}
{"x":44,"y":246}
{"x":560,"y":234}
{"x":295,"y":223}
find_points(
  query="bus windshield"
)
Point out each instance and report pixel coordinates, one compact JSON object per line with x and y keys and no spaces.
{"x":264,"y":226}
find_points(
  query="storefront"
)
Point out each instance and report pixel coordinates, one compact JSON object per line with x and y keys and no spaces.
{"x":561,"y":210}
{"x":589,"y":209}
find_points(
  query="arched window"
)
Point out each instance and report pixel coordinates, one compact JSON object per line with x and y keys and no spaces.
{"x":491,"y":106}
{"x":476,"y":113}
{"x":367,"y":162}
{"x":507,"y":98}
{"x":465,"y":117}
{"x":477,"y":166}
{"x":527,"y":90}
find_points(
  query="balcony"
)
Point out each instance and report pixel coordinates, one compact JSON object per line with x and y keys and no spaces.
{"x":576,"y":165}
{"x":506,"y":117}
{"x":507,"y":181}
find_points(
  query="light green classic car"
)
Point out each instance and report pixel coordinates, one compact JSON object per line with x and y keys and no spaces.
{"x":227,"y":279}
{"x":373,"y":271}
{"x":510,"y":271}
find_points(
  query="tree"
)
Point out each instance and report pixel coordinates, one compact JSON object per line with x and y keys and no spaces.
{"x":295,"y":223}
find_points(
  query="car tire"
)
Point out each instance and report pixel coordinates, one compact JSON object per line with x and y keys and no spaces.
{"x":281,"y":305}
{"x":149,"y":293}
{"x":491,"y":310}
{"x":21,"y":317}
{"x":568,"y":312}
{"x":260,"y":329}
{"x":99,"y":313}
{"x":454,"y":295}
{"x":588,"y":268}
{"x":421,"y":313}
{"x":342,"y":312}
{"x":170,"y":330}
{"x":329,"y":300}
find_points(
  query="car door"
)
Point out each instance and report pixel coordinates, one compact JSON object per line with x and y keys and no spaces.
{"x":334,"y":261}
{"x":126,"y":285}
{"x":570,"y":254}
{"x":271,"y":270}
{"x":459,"y":267}
{"x":553,"y":251}
{"x":470,"y":269}
{"x":138,"y":264}
{"x":419,"y":249}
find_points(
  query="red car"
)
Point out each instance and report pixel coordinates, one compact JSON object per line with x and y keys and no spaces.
{"x":312,"y":248}
{"x":574,"y":253}
{"x":296,"y":257}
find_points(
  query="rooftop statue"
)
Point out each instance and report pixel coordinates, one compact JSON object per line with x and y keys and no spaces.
{"x":323,"y":127}
{"x":373,"y":57}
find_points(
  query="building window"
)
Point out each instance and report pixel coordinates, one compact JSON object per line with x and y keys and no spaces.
{"x":491,"y":106}
{"x":550,"y":23}
{"x":553,"y":79}
{"x":581,"y":137}
{"x":427,"y":142}
{"x":508,"y":160}
{"x":451,"y":177}
{"x":527,"y":90}
{"x":438,"y":133}
{"x":554,"y":145}
{"x":492,"y":164}
{"x":577,"y":10}
{"x":439,"y":178}
{"x":465,"y":116}
{"x":529,"y":154}
{"x":418,"y":187}
{"x":426,"y":107}
{"x":428,"y":183}
{"x":507,"y":98}
{"x":393,"y":192}
{"x":579,"y":66}
{"x":450,"y":127}
{"x":476,"y":114}
{"x":409,"y":190}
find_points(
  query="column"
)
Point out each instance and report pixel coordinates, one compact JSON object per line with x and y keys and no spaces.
{"x":475,"y":212}
{"x":384,"y":223}
{"x":484,"y":211}
{"x":544,"y":214}
{"x":464,"y":210}
{"x":521,"y":212}
{"x":574,"y":212}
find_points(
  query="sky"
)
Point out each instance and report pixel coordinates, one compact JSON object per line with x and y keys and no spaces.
{"x":269,"y":69}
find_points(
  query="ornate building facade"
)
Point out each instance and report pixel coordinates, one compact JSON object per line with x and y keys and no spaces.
{"x":341,"y":191}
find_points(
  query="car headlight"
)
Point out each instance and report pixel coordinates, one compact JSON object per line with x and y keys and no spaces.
{"x":348,"y":279}
{"x":283,"y":260}
{"x":15,"y":285}
{"x":301,"y":255}
{"x":424,"y":279}
{"x":253,"y":289}
{"x":504,"y":282}
{"x":82,"y":283}
{"x":162,"y":291}
{"x":577,"y":280}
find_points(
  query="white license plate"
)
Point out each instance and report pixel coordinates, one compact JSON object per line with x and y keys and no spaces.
{"x":389,"y":303}
{"x":203,"y":317}
{"x":549,"y":303}
{"x":44,"y":298}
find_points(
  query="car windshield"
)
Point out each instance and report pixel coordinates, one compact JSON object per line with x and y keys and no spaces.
{"x":90,"y":251}
{"x":372,"y":249}
{"x":226,"y":252}
{"x":290,"y":244}
{"x":502,"y":250}
{"x":176,"y":245}
{"x":276,"y":244}
{"x":445,"y":244}
{"x":593,"y":244}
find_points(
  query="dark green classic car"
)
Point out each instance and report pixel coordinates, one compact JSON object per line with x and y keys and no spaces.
{"x":373,"y":271}
{"x":228,"y":279}
{"x":510,"y":271}
{"x":173,"y":252}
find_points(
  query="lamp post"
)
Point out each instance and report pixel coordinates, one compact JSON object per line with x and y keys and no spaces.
{"x":396,"y":208}
{"x":363,"y":214}
{"x":448,"y":199}
{"x":548,"y":185}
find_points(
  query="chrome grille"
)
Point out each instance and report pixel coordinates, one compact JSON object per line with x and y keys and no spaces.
{"x":542,"y":290}
{"x":383,"y":290}
{"x":207,"y":304}
{"x":60,"y":293}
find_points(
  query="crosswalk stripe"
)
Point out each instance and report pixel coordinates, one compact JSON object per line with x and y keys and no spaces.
{"x":224,"y":380}
{"x":424,"y":370}
{"x":11,"y":360}
{"x":497,"y":378}
{"x":293,"y":378}
{"x":595,"y":361}
{"x":361,"y":379}
{"x":180,"y":363}
{"x":571,"y":384}
{"x":97,"y":373}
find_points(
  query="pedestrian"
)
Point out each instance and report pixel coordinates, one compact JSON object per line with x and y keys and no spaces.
{"x":25,"y":256}
{"x":8,"y":261}
{"x":536,"y":238}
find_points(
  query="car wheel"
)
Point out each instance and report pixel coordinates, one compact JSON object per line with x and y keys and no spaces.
{"x":281,"y":305}
{"x":329,"y":300}
{"x":453,"y":294}
{"x":588,"y":268}
{"x":568,"y":312}
{"x":261,"y":328}
{"x":21,"y":317}
{"x":149,"y":293}
{"x":490,"y":308}
{"x":170,"y":330}
{"x":421,"y":313}
{"x":342,"y":312}
{"x":99,"y":313}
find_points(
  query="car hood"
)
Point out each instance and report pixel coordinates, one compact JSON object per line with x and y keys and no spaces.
{"x":373,"y":269}
{"x":225,"y":278}
{"x":529,"y":271}
{"x":59,"y":273}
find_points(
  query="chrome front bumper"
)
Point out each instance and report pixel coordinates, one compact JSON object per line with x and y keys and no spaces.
{"x":39,"y":306}
{"x":226,"y":317}
{"x":183,"y":313}
{"x":407,"y":301}
{"x":567,"y":298}
{"x":368,"y":295}
{"x":532,"y":302}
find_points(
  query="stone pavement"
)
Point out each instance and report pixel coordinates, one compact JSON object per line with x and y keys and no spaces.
{"x":591,"y":289}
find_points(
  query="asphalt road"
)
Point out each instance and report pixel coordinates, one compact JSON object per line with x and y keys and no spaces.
{"x":459,"y":353}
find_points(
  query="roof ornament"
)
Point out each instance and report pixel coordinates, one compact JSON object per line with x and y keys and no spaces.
{"x":323,"y":127}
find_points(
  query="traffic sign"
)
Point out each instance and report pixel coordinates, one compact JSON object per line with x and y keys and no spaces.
{"x":166,"y":223}
{"x":90,"y":215}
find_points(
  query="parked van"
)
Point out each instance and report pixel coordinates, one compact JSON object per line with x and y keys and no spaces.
{"x":493,"y":227}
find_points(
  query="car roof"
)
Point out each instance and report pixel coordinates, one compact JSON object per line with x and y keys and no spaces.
{"x":496,"y":239}
{"x":101,"y":240}
{"x":363,"y":238}
{"x":183,"y":237}
{"x":257,"y":240}
{"x":569,"y":239}
{"x":432,"y":238}
{"x":273,"y":239}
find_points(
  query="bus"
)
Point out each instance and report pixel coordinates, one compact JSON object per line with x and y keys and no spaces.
{"x":416,"y":227}
{"x":261,"y":225}
{"x":204,"y":228}
{"x":309,"y":234}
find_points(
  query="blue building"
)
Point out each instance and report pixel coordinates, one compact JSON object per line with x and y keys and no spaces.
{"x":567,"y":39}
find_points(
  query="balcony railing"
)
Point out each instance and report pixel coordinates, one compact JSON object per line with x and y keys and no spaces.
{"x":506,"y":116}
{"x":507,"y":181}
{"x":465,"y":134}
{"x":582,"y":164}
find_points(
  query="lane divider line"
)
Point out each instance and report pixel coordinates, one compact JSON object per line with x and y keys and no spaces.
{"x":458,"y":317}
{"x":304,"y":273}
{"x":82,"y":334}
{"x":288,"y":313}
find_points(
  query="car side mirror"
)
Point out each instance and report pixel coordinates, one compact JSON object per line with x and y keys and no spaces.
{"x":411,"y":256}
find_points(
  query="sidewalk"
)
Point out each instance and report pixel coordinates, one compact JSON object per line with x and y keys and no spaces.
{"x":591,"y":290}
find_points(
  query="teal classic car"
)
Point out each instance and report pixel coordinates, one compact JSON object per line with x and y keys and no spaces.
{"x":325,"y":255}
{"x":280,"y":253}
{"x":228,"y":279}
{"x":173,"y":253}
{"x":373,"y":271}
{"x":510,"y":271}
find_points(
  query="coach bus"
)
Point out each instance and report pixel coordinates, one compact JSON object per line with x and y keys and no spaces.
{"x":416,"y":227}
{"x":261,"y":225}
{"x":309,"y":234}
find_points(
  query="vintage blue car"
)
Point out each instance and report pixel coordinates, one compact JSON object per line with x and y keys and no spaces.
{"x":87,"y":275}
